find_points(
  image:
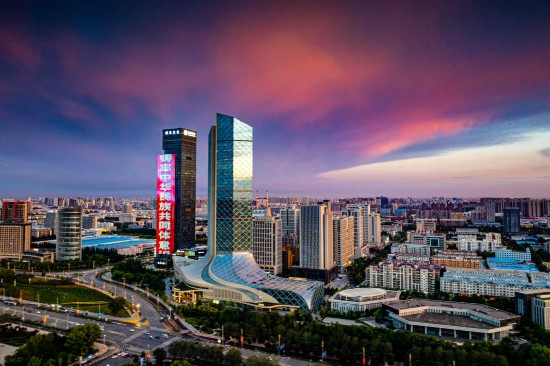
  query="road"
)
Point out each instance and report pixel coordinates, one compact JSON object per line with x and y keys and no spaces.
{"x":140,"y":336}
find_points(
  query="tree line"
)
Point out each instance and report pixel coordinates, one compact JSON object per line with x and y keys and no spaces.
{"x":305,"y":337}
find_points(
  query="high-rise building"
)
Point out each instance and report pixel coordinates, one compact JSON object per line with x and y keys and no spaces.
{"x":343,"y":231}
{"x":365,"y":212}
{"x":51,"y":221}
{"x":89,"y":222}
{"x":69,"y":234}
{"x":490,"y":209}
{"x":182,"y":143}
{"x":511,"y":224}
{"x":358,"y":243}
{"x":15,"y":211}
{"x":15,"y":238}
{"x":267,"y":244}
{"x":316,"y":238}
{"x":290,"y":220}
{"x":229,"y":271}
{"x":374,"y":230}
{"x":127,"y":208}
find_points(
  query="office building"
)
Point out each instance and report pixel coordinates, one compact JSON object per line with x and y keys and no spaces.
{"x":182,"y":144}
{"x":15,"y":211}
{"x":490,"y":210}
{"x":15,"y":238}
{"x":228,"y":272}
{"x":267,"y":242}
{"x":511,"y":223}
{"x":486,"y":242}
{"x":316,"y":237}
{"x":69,"y":234}
{"x":127,"y":208}
{"x":434,"y":240}
{"x":290,"y":221}
{"x":89,"y":222}
{"x":343,"y":231}
{"x":534,"y":304}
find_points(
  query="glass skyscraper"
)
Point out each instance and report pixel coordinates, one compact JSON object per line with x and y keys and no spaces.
{"x":183,"y":143}
{"x":229,"y":272}
{"x":233,"y":149}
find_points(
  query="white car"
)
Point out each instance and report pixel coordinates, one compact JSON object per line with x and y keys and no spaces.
{"x":132,"y":330}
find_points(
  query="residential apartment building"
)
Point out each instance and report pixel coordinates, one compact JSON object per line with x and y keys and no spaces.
{"x":343,"y":239}
{"x":403,"y":276}
{"x":457,"y":259}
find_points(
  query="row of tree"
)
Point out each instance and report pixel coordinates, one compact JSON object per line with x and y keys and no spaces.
{"x":303,"y":336}
{"x":133,"y":271}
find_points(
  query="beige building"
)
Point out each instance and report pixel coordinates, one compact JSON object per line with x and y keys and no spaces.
{"x":343,"y":232}
{"x":14,"y":239}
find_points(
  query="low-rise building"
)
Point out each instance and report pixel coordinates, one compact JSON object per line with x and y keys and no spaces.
{"x":451,"y":319}
{"x":361,"y":299}
{"x":409,"y":248}
{"x":489,"y":242}
{"x":510,"y":254}
{"x":491,"y":282}
{"x":403,"y":276}
{"x":434,"y":240}
{"x":457,"y":259}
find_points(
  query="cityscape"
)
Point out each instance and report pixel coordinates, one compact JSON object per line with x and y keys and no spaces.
{"x":265,"y":183}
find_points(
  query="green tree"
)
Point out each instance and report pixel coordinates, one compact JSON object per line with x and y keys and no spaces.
{"x":82,"y":337}
{"x":160,"y":355}
{"x":117,"y":305}
{"x":233,"y":357}
{"x":540,"y":355}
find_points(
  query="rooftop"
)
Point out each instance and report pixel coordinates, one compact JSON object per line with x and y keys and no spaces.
{"x":478,"y":308}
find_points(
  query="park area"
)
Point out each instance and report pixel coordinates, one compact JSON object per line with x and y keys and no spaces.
{"x":68,"y":295}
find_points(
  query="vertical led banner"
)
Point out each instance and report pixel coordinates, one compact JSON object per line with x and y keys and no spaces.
{"x":166,"y":203}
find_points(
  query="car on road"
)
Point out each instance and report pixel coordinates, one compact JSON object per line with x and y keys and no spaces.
{"x":132,"y":330}
{"x":164,"y":335}
{"x":147,"y":333}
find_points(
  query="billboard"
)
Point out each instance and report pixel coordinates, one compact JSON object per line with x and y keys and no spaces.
{"x":166,"y":203}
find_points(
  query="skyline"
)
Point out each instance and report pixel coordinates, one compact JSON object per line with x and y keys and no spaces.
{"x":362,"y":100}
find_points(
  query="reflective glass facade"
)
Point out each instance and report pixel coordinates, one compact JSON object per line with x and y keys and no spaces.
{"x":233,"y":185}
{"x":69,"y":234}
{"x":183,"y":143}
{"x":229,"y":272}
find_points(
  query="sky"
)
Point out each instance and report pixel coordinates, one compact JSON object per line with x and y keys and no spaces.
{"x":346,"y":98}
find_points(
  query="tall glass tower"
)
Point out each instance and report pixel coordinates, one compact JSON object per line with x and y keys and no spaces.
{"x":229,"y":272}
{"x":231,"y":144}
{"x":183,"y":143}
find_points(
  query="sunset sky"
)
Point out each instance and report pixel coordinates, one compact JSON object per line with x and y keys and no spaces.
{"x":347,"y":98}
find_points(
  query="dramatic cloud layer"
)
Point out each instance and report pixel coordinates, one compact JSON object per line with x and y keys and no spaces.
{"x":85,"y":90}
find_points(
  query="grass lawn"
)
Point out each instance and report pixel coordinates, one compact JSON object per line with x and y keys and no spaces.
{"x":68,"y":296}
